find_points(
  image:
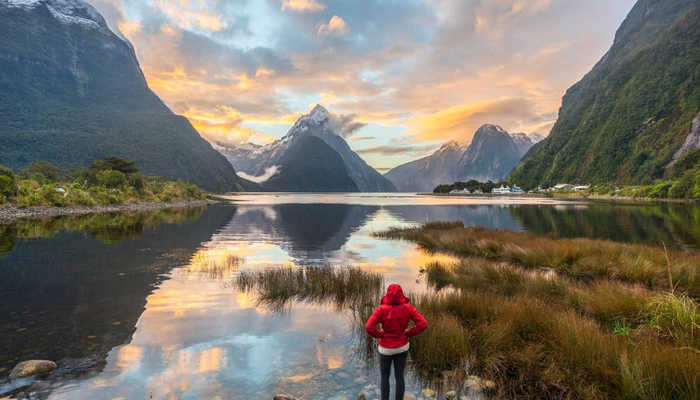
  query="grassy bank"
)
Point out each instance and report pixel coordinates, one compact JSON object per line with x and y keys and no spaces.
{"x":584,"y":259}
{"x":109,"y":181}
{"x":559,"y":318}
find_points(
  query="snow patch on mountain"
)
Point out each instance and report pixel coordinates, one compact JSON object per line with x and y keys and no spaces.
{"x":269,"y":173}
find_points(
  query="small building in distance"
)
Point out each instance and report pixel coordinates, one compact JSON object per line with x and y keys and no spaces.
{"x":501,"y":190}
{"x":563,"y":186}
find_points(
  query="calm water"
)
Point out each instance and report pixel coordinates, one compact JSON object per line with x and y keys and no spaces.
{"x":128,"y":301}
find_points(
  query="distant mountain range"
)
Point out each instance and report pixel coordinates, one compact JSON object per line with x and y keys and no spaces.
{"x":631,"y":117}
{"x":491,"y":155}
{"x":72,"y":91}
{"x":298,"y":163}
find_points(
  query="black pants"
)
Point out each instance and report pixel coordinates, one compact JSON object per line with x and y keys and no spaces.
{"x":399,"y":361}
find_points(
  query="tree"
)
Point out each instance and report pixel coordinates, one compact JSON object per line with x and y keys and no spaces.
{"x":115,"y":164}
{"x":111,"y":178}
{"x":45,"y":169}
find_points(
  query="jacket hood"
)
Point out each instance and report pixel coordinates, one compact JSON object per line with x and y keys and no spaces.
{"x":394,"y":295}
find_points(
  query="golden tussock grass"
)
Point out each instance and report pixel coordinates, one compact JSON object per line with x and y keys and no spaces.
{"x":559,"y":318}
{"x":579,"y":258}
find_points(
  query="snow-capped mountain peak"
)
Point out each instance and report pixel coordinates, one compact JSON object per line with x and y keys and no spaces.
{"x":318,"y":123}
{"x":317,"y":117}
{"x":448,"y":146}
{"x":319,"y":114}
{"x":490,"y":129}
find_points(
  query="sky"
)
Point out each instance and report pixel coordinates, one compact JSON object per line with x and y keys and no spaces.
{"x":404,"y":76}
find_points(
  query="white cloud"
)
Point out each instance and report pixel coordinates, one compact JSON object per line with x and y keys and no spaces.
{"x":335,"y":27}
{"x":302,"y":5}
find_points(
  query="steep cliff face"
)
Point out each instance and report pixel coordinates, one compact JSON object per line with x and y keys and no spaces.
{"x":625,"y":120}
{"x":72,"y":91}
{"x":491,"y":155}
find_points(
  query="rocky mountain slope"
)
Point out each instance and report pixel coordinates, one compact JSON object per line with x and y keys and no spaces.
{"x":310,"y":165}
{"x":72,"y":91}
{"x":256,"y":160}
{"x":491,"y":155}
{"x":628,"y":117}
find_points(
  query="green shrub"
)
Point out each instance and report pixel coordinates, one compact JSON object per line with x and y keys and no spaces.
{"x":690,"y":160}
{"x":111,"y":179}
{"x":8,"y":183}
{"x":193,"y":192}
{"x":42,"y":171}
{"x":683,"y":187}
{"x":659,"y":190}
{"x":104,"y":196}
{"x":50,"y":196}
{"x":137,"y":181}
{"x":83,"y":176}
{"x":80,"y":197}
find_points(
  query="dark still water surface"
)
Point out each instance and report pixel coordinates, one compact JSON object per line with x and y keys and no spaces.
{"x":140,"y":306}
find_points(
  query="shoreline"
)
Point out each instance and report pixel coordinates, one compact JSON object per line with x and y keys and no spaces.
{"x":9,"y":214}
{"x":570,"y":196}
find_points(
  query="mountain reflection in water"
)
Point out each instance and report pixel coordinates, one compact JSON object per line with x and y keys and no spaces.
{"x":148,"y":297}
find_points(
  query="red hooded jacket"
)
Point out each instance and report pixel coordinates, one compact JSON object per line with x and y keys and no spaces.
{"x":394,"y":314}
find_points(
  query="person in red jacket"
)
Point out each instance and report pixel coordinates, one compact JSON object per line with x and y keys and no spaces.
{"x":394,"y":314}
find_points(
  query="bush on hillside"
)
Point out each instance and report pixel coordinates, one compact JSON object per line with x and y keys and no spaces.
{"x":111,"y":179}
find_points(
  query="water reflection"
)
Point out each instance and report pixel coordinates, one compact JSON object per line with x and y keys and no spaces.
{"x":308,"y":232}
{"x":74,"y":287}
{"x":148,"y":296}
{"x":668,"y":223}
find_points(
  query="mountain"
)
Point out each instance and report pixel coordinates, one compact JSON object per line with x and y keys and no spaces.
{"x":256,"y":161}
{"x":424,"y":174}
{"x":491,"y":155}
{"x":310,"y":165}
{"x":72,"y":91}
{"x":628,"y":117}
{"x":523,"y":141}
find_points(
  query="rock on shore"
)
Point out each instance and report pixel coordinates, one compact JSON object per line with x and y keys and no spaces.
{"x":31,"y":368}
